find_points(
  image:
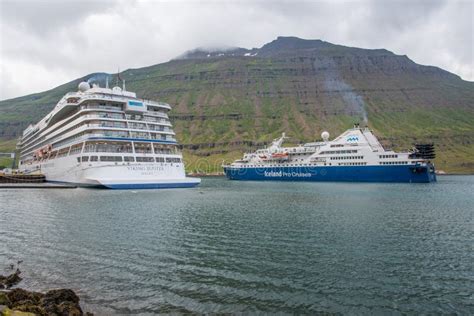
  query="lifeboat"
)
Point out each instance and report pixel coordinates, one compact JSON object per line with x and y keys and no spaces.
{"x":280,"y":155}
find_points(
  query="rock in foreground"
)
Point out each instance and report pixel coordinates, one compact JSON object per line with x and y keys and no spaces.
{"x":54,"y":302}
{"x":20,"y":302}
{"x":8,"y":281}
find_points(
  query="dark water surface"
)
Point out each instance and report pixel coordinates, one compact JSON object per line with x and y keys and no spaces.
{"x":250,"y":246}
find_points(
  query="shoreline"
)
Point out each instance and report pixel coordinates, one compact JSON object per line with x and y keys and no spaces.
{"x":18,"y":301}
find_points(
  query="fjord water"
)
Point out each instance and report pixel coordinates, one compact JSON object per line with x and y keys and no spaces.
{"x":230,"y":246}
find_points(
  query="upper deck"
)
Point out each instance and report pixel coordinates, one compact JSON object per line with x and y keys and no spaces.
{"x":96,"y":113}
{"x":355,"y":147}
{"x":72,"y":100}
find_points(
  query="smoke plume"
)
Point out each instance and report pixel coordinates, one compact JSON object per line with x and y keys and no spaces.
{"x":334,"y":84}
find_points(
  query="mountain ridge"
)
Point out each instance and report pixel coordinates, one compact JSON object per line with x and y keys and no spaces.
{"x":223,"y":105}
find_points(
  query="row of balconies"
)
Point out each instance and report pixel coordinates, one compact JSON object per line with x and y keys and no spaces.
{"x":104,"y":133}
{"x":111,"y":116}
{"x":94,"y":97}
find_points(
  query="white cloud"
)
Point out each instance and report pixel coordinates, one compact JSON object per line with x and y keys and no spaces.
{"x":48,"y":42}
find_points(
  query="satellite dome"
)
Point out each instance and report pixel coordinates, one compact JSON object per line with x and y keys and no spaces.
{"x":83,"y":86}
{"x":116,"y":89}
{"x":325,"y":136}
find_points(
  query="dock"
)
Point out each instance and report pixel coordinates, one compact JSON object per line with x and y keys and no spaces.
{"x":29,"y":181}
{"x":44,"y":185}
{"x":22,"y":178}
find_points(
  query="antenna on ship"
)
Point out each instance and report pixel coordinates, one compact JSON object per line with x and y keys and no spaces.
{"x":121,"y":79}
{"x":107,"y":82}
{"x":118,"y":76}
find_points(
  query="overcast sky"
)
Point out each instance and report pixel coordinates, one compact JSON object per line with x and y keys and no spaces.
{"x":45,"y":43}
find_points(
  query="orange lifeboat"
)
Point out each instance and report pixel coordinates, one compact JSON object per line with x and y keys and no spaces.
{"x":280,"y":155}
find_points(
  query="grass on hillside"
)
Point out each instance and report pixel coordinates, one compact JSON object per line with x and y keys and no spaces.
{"x":273,"y":96}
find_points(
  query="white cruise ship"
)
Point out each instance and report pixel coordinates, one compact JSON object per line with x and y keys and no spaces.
{"x":105,"y":137}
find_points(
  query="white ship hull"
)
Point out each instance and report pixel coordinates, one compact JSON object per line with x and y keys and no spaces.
{"x":115,"y":175}
{"x":108,"y":138}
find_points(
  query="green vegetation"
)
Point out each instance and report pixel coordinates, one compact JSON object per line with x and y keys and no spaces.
{"x":5,"y":163}
{"x":221,"y":104}
{"x":6,"y":145}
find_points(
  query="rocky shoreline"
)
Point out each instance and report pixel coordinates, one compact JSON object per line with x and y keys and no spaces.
{"x":21,"y":302}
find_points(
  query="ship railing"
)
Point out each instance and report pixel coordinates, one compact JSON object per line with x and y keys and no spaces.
{"x":156,"y":103}
{"x":114,"y":116}
{"x":157,"y":114}
{"x":117,"y":116}
{"x":137,"y":126}
{"x":109,"y":134}
{"x":160,"y":123}
{"x":123,"y":99}
{"x":167,"y":138}
{"x":101,"y":107}
{"x":93,"y":148}
{"x":159,"y":128}
{"x":124,"y":126}
{"x":153,"y":119}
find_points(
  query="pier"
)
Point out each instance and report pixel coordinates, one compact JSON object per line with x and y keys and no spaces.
{"x":44,"y":185}
{"x":21,"y":178}
{"x":29,"y":181}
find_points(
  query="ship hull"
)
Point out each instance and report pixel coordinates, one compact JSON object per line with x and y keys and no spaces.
{"x":116,"y":175}
{"x":400,"y":174}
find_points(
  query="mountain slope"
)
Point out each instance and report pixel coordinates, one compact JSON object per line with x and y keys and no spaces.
{"x":226,"y":101}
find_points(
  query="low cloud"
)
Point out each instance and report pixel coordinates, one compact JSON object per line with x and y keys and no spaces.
{"x":48,"y":42}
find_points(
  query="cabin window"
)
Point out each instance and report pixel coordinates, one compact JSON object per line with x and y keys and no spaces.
{"x":129,"y":159}
{"x":111,"y":158}
{"x":145,"y":159}
{"x":63,"y":152}
{"x":143,"y":148}
{"x":94,"y":158}
{"x":111,"y":147}
{"x":164,"y":149}
{"x":76,"y":149}
{"x":85,"y":158}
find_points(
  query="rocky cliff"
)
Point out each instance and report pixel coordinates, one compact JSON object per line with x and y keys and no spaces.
{"x":231,"y":100}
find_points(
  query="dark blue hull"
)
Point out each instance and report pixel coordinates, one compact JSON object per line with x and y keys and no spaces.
{"x":395,"y":173}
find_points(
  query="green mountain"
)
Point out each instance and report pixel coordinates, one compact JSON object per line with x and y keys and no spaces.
{"x":231,"y":100}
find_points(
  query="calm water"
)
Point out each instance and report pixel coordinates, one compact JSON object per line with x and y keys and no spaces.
{"x":250,"y":246}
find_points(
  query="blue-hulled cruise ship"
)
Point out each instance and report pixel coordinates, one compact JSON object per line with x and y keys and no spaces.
{"x":354,"y":156}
